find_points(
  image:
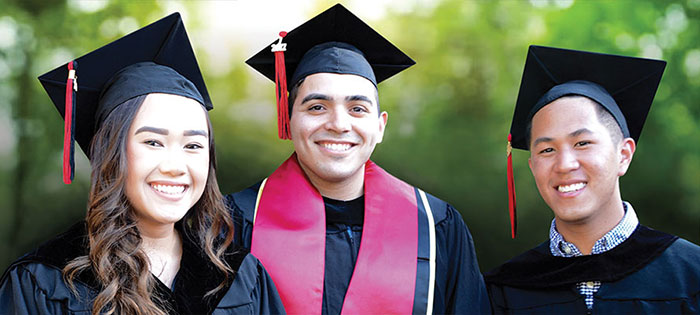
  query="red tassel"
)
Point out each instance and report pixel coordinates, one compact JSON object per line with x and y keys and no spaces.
{"x":511,"y":190}
{"x":69,"y":121}
{"x":281,"y":88}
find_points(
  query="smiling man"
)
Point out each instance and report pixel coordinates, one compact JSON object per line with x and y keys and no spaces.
{"x":580,"y":115}
{"x":336,"y":232}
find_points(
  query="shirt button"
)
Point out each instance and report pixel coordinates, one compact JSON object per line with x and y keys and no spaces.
{"x":566,"y":249}
{"x":590,"y":284}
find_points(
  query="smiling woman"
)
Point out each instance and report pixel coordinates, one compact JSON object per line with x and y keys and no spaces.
{"x":167,"y":152}
{"x":157,"y":236}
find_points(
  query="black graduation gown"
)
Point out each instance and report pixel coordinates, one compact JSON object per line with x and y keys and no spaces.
{"x":650,"y":273}
{"x":34,"y":283}
{"x":459,"y":286}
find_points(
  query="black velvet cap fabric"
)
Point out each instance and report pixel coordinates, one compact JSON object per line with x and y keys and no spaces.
{"x":624,"y":86}
{"x":335,"y":41}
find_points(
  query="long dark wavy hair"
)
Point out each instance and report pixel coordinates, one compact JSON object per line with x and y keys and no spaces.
{"x":115,"y":255}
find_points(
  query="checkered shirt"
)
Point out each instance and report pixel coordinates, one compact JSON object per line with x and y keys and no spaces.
{"x":622,"y":231}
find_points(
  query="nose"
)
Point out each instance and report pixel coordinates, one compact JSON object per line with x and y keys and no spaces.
{"x":566,"y":161}
{"x":173,"y":164}
{"x":339,"y":120}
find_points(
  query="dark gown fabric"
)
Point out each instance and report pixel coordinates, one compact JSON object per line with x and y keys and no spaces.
{"x":34,"y":283}
{"x":650,"y":273}
{"x":459,"y":286}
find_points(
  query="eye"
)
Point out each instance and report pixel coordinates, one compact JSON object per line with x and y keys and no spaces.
{"x":358,"y":109}
{"x":546,"y":150}
{"x":194,"y":146}
{"x":153,"y":143}
{"x":315,"y":107}
{"x":582,"y":143}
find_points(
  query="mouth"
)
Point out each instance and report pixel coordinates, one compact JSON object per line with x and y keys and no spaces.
{"x":571,"y":187}
{"x":336,"y":147}
{"x":169,"y":190}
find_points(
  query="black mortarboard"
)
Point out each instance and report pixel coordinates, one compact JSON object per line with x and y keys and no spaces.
{"x":624,"y":86}
{"x":157,"y":58}
{"x":335,"y":41}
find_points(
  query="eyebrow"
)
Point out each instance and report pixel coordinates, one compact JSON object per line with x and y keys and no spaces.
{"x":580,"y":132}
{"x":165,"y":132}
{"x":316,"y":96}
{"x":540,"y":140}
{"x":358,"y":98}
{"x":161,"y":131}
{"x":195,"y":133}
{"x":571,"y":135}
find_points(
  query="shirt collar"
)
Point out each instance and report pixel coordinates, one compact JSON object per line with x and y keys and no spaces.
{"x":621,"y":232}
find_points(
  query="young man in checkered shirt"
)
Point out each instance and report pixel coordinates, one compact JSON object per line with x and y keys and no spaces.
{"x":580,"y":115}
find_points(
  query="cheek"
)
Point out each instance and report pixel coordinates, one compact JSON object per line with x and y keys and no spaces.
{"x":541,"y":172}
{"x":132,"y":166}
{"x":132,"y":188}
{"x":537,"y":168}
{"x":199,"y":167}
{"x":369,"y":130}
{"x":296,"y":128}
{"x":140,"y":162}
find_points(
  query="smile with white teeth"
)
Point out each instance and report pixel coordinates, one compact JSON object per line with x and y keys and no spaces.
{"x":338,"y":147}
{"x":169,"y":189}
{"x":572,"y":187}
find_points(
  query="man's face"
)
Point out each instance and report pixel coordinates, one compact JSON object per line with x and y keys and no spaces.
{"x":574,"y":161}
{"x":335,"y":126}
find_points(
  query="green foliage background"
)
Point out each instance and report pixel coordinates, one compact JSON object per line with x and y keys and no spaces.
{"x":448,"y":116}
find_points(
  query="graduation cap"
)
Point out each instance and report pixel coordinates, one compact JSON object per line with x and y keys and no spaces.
{"x":624,"y":86}
{"x":335,"y":41}
{"x":157,"y":58}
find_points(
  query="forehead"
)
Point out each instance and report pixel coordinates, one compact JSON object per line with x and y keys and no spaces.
{"x":171,"y":111}
{"x":565,"y":114}
{"x":334,"y":84}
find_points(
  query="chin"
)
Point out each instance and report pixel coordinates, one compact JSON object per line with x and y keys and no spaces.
{"x":335,"y":177}
{"x":571,"y":214}
{"x":335,"y":172}
{"x":172,"y":215}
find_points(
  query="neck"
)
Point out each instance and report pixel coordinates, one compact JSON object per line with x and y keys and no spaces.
{"x":345,"y":189}
{"x":586,"y":232}
{"x":163,"y":246}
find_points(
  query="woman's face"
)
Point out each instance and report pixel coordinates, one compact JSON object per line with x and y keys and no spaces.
{"x":167,"y":159}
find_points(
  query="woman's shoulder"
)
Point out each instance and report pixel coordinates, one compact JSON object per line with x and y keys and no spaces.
{"x":244,"y":264}
{"x":252,"y":287}
{"x":49,"y":259}
{"x":60,"y":250}
{"x":248,"y":270}
{"x":37,"y":276}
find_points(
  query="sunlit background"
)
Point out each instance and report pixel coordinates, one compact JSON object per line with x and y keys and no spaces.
{"x":448,"y":116}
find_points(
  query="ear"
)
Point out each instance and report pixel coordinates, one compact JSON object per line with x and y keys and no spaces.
{"x":383,"y":118}
{"x":626,"y":152}
{"x":529,"y":163}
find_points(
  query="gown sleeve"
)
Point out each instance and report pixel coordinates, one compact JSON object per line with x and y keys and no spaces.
{"x":268,"y":300}
{"x":252,"y":291}
{"x":462,"y":285}
{"x":23,"y":291}
{"x":241,"y":206}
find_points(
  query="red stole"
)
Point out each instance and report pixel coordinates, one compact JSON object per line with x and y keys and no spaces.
{"x":289,"y":238}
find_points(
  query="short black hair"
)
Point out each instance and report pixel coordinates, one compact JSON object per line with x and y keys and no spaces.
{"x":604,"y":117}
